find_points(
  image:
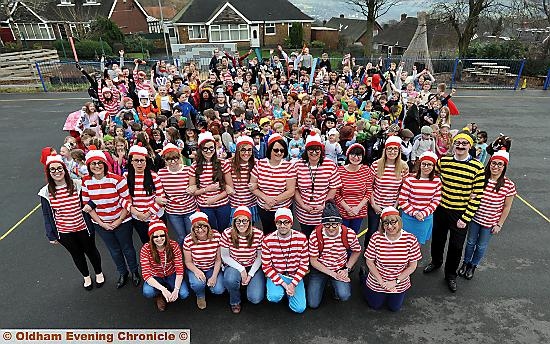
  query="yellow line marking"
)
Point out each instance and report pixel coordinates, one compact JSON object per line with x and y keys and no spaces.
{"x":363,"y":233}
{"x":19,"y":222}
{"x":533,"y":208}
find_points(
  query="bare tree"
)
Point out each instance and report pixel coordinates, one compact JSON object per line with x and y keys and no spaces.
{"x":372,"y":9}
{"x":7,"y":7}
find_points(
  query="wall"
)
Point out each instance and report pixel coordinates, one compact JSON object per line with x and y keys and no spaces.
{"x":330,"y":38}
{"x":129,"y":18}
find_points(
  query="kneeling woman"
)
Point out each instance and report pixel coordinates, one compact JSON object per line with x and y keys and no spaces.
{"x":242,"y":257}
{"x":392,"y":255}
{"x":162,"y":267}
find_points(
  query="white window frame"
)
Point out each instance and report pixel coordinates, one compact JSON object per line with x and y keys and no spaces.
{"x":270,"y":25}
{"x":66,"y":2}
{"x":87,"y":27}
{"x":90,"y":3}
{"x":35,"y":31}
{"x":235,"y":32}
{"x":193,"y":29}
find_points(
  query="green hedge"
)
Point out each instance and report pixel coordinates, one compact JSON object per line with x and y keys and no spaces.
{"x":86,"y":49}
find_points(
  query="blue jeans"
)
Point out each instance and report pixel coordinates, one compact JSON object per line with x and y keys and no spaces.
{"x":376,"y":300}
{"x":169,"y":282}
{"x":354,"y":224}
{"x":255,"y":290}
{"x":316,"y":288}
{"x":477,"y":242}
{"x":181,"y":224}
{"x":199,"y":286}
{"x":275,"y":293}
{"x":121,"y":246}
{"x":374,"y":222}
{"x":218,"y":217}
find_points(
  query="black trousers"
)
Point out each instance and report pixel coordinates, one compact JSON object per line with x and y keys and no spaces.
{"x":268,"y":220}
{"x":142,"y":229}
{"x":80,"y":244}
{"x":445,"y":225}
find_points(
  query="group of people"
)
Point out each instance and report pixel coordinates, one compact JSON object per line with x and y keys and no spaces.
{"x":267,"y":183}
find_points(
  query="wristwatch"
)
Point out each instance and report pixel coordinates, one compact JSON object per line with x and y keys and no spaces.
{"x":397,"y":281}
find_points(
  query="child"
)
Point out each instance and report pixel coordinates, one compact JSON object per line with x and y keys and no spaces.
{"x":260,"y":147}
{"x":421,"y":145}
{"x":406,"y":144}
{"x":443,"y":117}
{"x":296,"y":145}
{"x":65,"y":152}
{"x":333,"y":150}
{"x":443,"y":141}
{"x":481,"y":147}
{"x":80,"y":169}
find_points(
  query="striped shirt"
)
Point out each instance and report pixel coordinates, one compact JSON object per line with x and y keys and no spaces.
{"x":112,"y":106}
{"x":243,"y":195}
{"x":203,"y":253}
{"x":175,"y":185}
{"x":326,"y":177}
{"x":67,"y":210}
{"x":420,"y":195}
{"x":391,"y":258}
{"x":356,"y":186}
{"x":150,"y":268}
{"x":288,"y":256}
{"x":143,"y":202}
{"x":140,"y":85}
{"x":205,"y":179}
{"x":109,"y":194}
{"x":243,"y":254}
{"x":272,"y":181}
{"x":334,"y":255}
{"x":459,"y":180}
{"x":492,"y":204}
{"x":386,"y":188}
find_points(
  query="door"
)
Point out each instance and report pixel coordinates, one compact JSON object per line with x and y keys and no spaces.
{"x":254,"y":36}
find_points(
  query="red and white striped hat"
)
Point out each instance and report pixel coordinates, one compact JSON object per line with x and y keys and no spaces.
{"x":198,"y":217}
{"x":502,"y":154}
{"x":393,"y":141}
{"x":242,"y":211}
{"x":389,"y":211}
{"x":138,"y":150}
{"x":245,"y":140}
{"x":156,"y":225}
{"x":430,"y":156}
{"x":95,"y":155}
{"x":313,"y":140}
{"x":283,"y":214}
{"x":205,"y":136}
{"x":54,"y":158}
{"x":274,"y":137}
{"x":169,"y":148}
{"x":355,"y":145}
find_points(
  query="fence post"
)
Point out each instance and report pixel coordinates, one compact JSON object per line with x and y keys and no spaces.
{"x":454,"y":73}
{"x":547,"y":81}
{"x":519,"y":74}
{"x":40,"y":76}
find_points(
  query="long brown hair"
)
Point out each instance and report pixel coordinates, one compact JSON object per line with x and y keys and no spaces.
{"x":167,"y":249}
{"x":500,"y":181}
{"x":236,"y":163}
{"x":52,"y":185}
{"x":217,"y":173}
{"x":235,"y":234}
{"x":194,"y":236}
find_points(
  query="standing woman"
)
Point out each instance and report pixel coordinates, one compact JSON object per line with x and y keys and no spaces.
{"x":354,"y":195}
{"x":241,"y":253}
{"x":317,"y":180}
{"x":418,"y":198}
{"x":273,"y":182}
{"x":242,"y":164}
{"x":179,"y":205}
{"x":64,"y":221}
{"x":492,"y":212}
{"x":144,"y":186}
{"x":105,"y":197}
{"x":389,"y":172}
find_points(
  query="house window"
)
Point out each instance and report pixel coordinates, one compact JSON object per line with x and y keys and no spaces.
{"x":91,"y":2}
{"x":289,"y":25}
{"x":35,"y":31}
{"x":196,"y":32}
{"x":270,"y":29}
{"x":229,"y":32}
{"x":86,"y":27}
{"x":66,"y":2}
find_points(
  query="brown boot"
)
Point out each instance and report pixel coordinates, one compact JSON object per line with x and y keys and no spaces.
{"x":161,"y":303}
{"x":201,"y":302}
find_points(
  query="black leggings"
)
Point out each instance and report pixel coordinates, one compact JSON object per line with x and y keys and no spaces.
{"x":268,"y":220}
{"x":80,"y":244}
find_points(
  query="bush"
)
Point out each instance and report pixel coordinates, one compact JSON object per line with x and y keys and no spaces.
{"x":105,"y":29}
{"x":12,"y":47}
{"x":318,"y":44}
{"x":87,"y":49}
{"x":137,"y":44}
{"x":498,"y":50}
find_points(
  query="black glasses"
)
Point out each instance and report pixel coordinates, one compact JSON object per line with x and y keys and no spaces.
{"x":392,"y":149}
{"x":314,"y":150}
{"x":278,"y":150}
{"x":246,"y":150}
{"x":282,"y":223}
{"x":493,"y":163}
{"x":208,"y":149}
{"x":56,"y":170}
{"x":139,"y":161}
{"x":389,"y":222}
{"x":242,"y":222}
{"x":331,"y":225}
{"x":203,"y":227}
{"x":172,"y":160}
{"x":426,"y":164}
{"x":355,"y":155}
{"x":159,"y":236}
{"x":96,"y":163}
{"x":462,"y":143}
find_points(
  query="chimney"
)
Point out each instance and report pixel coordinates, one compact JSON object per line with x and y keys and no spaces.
{"x":403,"y":16}
{"x":341,"y":16}
{"x":324,"y":22}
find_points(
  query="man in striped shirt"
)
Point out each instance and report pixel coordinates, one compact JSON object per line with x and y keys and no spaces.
{"x":462,"y":179}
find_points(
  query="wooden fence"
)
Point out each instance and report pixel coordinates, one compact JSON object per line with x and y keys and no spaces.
{"x":18,"y":70}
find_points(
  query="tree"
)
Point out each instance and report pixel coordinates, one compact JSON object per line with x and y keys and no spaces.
{"x":295,"y":36}
{"x":7,"y":7}
{"x":105,"y":29}
{"x":372,"y":9}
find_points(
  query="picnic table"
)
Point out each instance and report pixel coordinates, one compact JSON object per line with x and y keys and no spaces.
{"x":496,"y":69}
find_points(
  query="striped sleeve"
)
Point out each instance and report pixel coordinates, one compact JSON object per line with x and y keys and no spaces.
{"x":124,"y":194}
{"x":178,"y":259}
{"x":267,"y":266}
{"x":159,"y":192}
{"x":144,"y":255}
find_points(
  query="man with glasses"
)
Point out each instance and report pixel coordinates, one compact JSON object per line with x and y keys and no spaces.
{"x":462,"y":179}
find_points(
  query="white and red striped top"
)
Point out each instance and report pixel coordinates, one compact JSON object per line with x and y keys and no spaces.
{"x":334,"y":255}
{"x":204,"y":252}
{"x":326,"y":177}
{"x":288,"y":256}
{"x":112,"y":106}
{"x":143,"y":202}
{"x":205,"y":179}
{"x":140,"y":85}
{"x":420,"y":195}
{"x":150,"y":268}
{"x":243,"y":195}
{"x":386,"y":189}
{"x":67,"y":210}
{"x":492,"y":203}
{"x":175,"y":185}
{"x":109,"y":194}
{"x":243,"y":254}
{"x":272,"y":180}
{"x":356,"y":186}
{"x":391,"y":258}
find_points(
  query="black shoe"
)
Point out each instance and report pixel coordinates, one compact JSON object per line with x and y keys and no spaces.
{"x":451,"y":283}
{"x":122,"y":279}
{"x":136,"y":279}
{"x":99,"y":285}
{"x":89,"y":287}
{"x":431,"y":268}
{"x":469,"y":274}
{"x":463,"y":269}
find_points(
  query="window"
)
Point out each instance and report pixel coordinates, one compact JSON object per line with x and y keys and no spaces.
{"x":66,"y":2}
{"x":91,"y":2}
{"x":270,"y":29}
{"x":289,"y":25}
{"x":229,"y":32}
{"x":196,"y":32}
{"x":86,"y":27}
{"x":35,"y":31}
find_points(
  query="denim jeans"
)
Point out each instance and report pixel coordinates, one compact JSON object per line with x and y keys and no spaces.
{"x":275,"y":293}
{"x":181,"y":224}
{"x":354,"y":224}
{"x":121,"y":246}
{"x":168,"y":282}
{"x":255,"y":290}
{"x":316,"y":288}
{"x":218,"y":217}
{"x":374,"y":222}
{"x":199,"y":286}
{"x":477,"y":242}
{"x":376,"y":300}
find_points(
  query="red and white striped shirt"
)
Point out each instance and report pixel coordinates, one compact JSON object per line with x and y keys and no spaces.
{"x":243,"y":195}
{"x":243,"y":254}
{"x":391,"y":258}
{"x":67,"y":210}
{"x":326,"y":177}
{"x":109,"y":194}
{"x":272,"y":181}
{"x":175,"y":185}
{"x":143,"y":202}
{"x":203,"y":253}
{"x":140,"y":85}
{"x":356,"y":186}
{"x":492,"y":203}
{"x":288,"y":256}
{"x":420,"y":195}
{"x":205,"y":179}
{"x":150,"y":268}
{"x":334,"y":255}
{"x":386,"y":189}
{"x":112,"y":106}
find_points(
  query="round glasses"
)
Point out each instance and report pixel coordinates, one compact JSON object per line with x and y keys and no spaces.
{"x":241,"y":222}
{"x":56,"y":170}
{"x":498,"y":164}
{"x":208,"y":149}
{"x":332,"y":225}
{"x":282,"y":223}
{"x":389,"y":222}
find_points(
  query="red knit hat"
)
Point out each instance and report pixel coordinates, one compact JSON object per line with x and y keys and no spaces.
{"x":198,"y":217}
{"x":46,"y":151}
{"x":245,"y":140}
{"x":355,"y":145}
{"x":393,"y":141}
{"x":274,"y":137}
{"x":313,"y":140}
{"x":138,"y":150}
{"x":502,"y":155}
{"x":170,"y":148}
{"x":157,"y":225}
{"x":54,"y":158}
{"x":430,"y":156}
{"x":243,"y":211}
{"x":95,"y":154}
{"x":283,"y":214}
{"x":389,"y":211}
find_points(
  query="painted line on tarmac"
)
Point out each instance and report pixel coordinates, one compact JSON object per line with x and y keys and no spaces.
{"x":363,"y":233}
{"x":14,"y":227}
{"x":533,"y":208}
{"x":33,"y":99}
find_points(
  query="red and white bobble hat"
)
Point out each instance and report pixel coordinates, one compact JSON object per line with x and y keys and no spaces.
{"x":245,"y":140}
{"x":355,"y":145}
{"x":274,"y":137}
{"x":205,"y":136}
{"x":393,"y":141}
{"x":283,"y":214}
{"x":138,"y":150}
{"x":429,"y":156}
{"x":170,"y":148}
{"x":389,"y":211}
{"x":313,"y":140}
{"x":157,"y":225}
{"x":242,"y":211}
{"x":95,"y":155}
{"x":54,"y":158}
{"x":502,"y":154}
{"x":198,"y":217}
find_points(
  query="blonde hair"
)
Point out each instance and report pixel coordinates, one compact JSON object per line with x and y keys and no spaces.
{"x":440,"y":120}
{"x":400,"y":165}
{"x":390,"y":217}
{"x":194,"y":235}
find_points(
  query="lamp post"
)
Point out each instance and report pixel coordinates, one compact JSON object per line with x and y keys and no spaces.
{"x":163,"y":30}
